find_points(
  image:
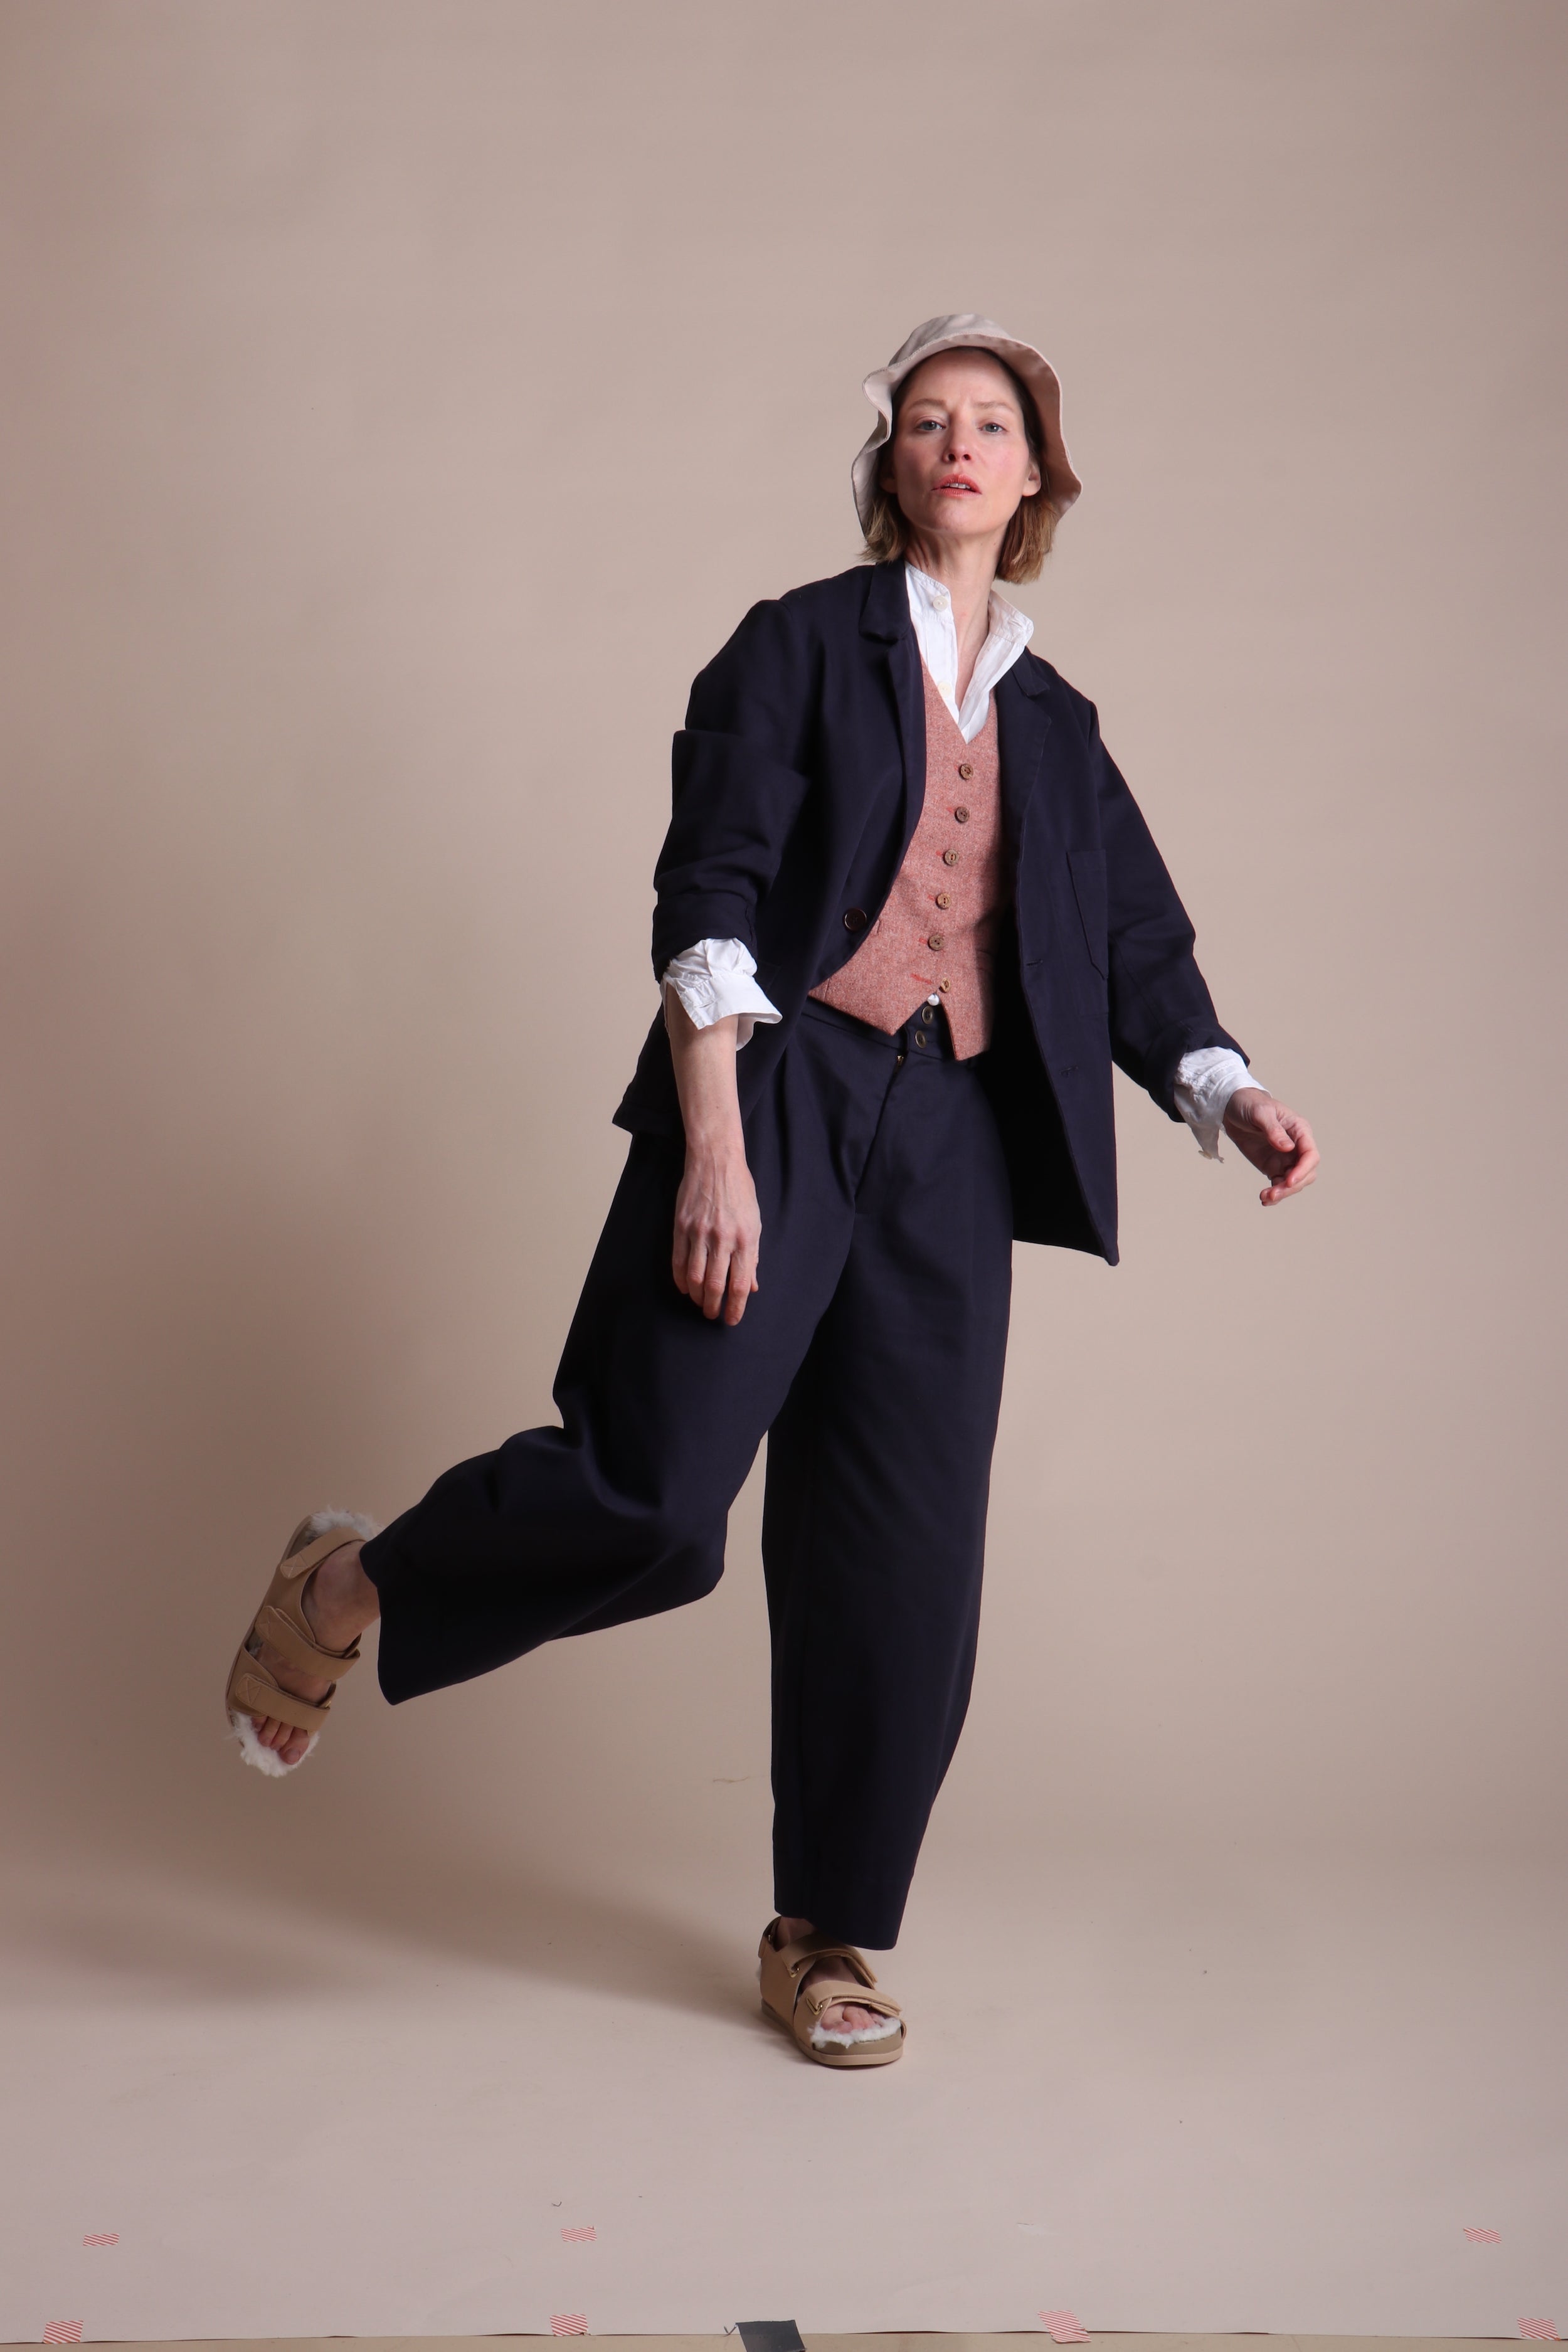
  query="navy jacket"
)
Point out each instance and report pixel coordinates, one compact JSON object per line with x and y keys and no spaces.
{"x":799,"y":779}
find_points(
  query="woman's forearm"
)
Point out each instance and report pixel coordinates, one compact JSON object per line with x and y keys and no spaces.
{"x":705,"y":1077}
{"x":718,"y":1227}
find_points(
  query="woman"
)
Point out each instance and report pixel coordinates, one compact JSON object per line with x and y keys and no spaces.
{"x":908,"y":913}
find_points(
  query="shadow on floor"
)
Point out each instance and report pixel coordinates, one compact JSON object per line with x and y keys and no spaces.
{"x":258,"y":1926}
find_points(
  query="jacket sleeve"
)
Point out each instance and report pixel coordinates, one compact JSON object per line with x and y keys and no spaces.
{"x":737,"y":784}
{"x":1160,"y":1003}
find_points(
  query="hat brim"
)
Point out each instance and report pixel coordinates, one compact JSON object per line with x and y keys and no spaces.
{"x":1031,"y":367}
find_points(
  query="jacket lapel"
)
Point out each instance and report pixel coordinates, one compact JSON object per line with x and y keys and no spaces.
{"x":1023,"y":723}
{"x":885,"y":621}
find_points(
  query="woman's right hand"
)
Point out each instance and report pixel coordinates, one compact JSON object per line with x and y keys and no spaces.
{"x":718,"y":1231}
{"x":717,"y":1225}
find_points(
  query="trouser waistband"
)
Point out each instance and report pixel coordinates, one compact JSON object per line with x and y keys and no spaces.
{"x":926,"y":1032}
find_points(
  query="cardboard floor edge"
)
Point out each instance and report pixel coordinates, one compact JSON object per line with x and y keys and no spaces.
{"x":949,"y":2341}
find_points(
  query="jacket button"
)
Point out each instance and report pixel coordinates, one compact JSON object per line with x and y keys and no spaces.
{"x":961,"y":816}
{"x":966,"y":769}
{"x":855,"y":919}
{"x":950,"y":857}
{"x":935,"y":943}
{"x":944,"y":898}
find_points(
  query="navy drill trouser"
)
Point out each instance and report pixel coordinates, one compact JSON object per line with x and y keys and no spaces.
{"x":871,"y":1358}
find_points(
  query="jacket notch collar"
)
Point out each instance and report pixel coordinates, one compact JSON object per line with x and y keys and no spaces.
{"x":885,"y":612}
{"x":1023,"y":722}
{"x":885,"y":619}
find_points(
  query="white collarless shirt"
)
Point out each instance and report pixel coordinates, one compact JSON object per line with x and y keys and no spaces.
{"x":936,"y":633}
{"x":718,"y":977}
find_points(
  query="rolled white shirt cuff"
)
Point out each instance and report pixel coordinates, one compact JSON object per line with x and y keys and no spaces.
{"x":1205,"y":1081}
{"x":715,"y":979}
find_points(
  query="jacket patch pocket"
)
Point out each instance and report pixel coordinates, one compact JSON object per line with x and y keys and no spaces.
{"x":1089,"y":888}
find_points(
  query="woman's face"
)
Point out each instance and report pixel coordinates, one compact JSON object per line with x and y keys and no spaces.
{"x":959,"y":459}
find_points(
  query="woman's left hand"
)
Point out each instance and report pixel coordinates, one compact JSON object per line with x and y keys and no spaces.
{"x":1275,"y":1140}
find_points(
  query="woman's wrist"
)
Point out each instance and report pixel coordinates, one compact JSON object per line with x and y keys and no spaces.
{"x":715,"y":1141}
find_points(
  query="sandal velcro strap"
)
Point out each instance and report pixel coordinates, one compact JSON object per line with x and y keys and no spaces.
{"x":806,"y":1950}
{"x":280,"y":1631}
{"x":310,"y":1555}
{"x":252,"y":1691}
{"x":822,"y":1995}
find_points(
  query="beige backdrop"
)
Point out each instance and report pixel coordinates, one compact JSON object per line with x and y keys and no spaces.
{"x":404,"y":398}
{"x":403,"y":401}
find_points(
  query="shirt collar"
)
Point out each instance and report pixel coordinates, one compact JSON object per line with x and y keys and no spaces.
{"x":930,"y":599}
{"x":1008,"y":632}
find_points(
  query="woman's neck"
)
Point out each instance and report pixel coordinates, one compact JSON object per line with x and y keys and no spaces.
{"x":967,"y":569}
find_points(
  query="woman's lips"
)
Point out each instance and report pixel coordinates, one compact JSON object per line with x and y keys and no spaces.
{"x":958,"y":482}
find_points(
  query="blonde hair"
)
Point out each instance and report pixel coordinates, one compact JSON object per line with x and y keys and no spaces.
{"x":1027,"y":541}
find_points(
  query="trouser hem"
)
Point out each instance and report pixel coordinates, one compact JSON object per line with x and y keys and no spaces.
{"x":847,"y":1923}
{"x":390,"y":1571}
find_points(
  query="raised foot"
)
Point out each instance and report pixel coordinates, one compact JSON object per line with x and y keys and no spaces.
{"x":339,"y":1601}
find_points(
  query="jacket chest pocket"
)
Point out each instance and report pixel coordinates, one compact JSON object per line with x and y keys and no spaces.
{"x":1088,"y":869}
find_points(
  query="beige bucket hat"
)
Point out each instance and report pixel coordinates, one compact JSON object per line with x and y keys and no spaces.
{"x":959,"y":330}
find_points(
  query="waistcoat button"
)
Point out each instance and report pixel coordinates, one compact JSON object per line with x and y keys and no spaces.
{"x":960,"y":815}
{"x":965,"y":769}
{"x":855,"y":919}
{"x":945,"y":898}
{"x":934,"y":941}
{"x":950,"y":857}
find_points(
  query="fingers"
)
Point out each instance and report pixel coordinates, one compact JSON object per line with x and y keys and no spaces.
{"x":717,"y":1233}
{"x":742,"y":1280}
{"x":728,"y":1279}
{"x":715,"y":1282}
{"x":718,"y":1272}
{"x":718,"y":1277}
{"x":689,"y":1263}
{"x":1302,"y":1165}
{"x":1276,"y":1140}
{"x":701,"y":1268}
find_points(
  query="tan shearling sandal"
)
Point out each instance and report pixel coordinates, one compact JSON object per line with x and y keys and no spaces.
{"x":282,"y":1624}
{"x":798,"y":2008}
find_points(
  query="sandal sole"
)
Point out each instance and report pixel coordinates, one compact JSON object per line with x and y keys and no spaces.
{"x":864,"y":2054}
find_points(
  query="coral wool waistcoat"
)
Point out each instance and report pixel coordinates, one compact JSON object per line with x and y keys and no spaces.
{"x":936,"y":935}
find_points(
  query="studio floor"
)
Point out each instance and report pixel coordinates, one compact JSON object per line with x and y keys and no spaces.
{"x":1227,"y":2097}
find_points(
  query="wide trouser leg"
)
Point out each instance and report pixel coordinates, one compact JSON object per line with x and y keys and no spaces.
{"x":874,"y":1524}
{"x":621,"y":1511}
